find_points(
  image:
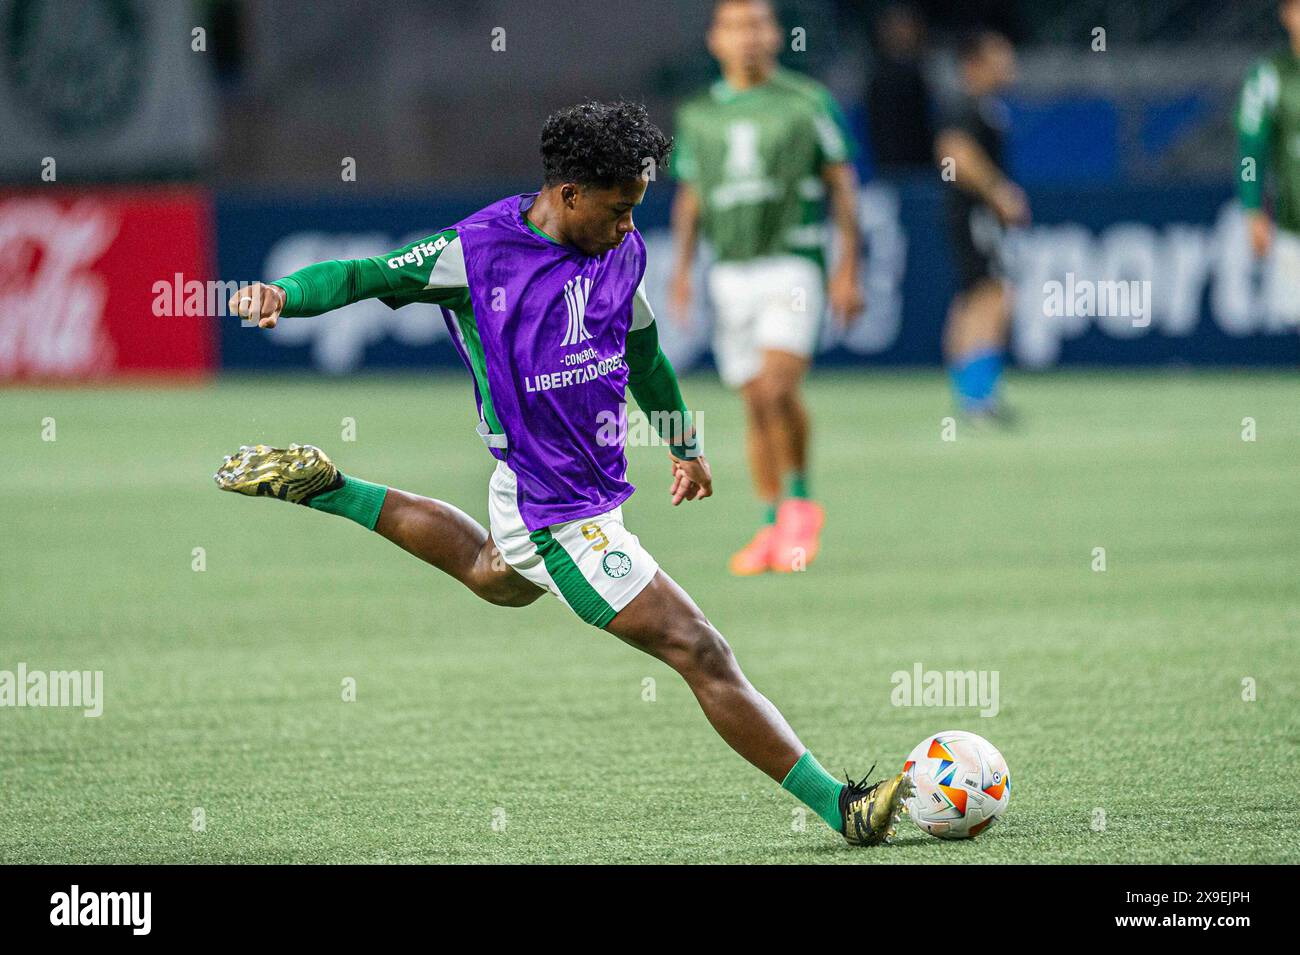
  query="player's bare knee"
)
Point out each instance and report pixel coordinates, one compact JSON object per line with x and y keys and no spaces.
{"x":700,"y":651}
{"x":493,"y":581}
{"x":505,"y":593}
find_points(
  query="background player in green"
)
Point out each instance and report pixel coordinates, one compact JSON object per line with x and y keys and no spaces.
{"x":760,"y":156}
{"x":1268,"y":124}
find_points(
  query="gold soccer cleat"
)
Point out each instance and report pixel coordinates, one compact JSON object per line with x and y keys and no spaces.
{"x":295,"y":474}
{"x":871,"y":812}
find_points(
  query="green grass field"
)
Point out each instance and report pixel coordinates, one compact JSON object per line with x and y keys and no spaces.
{"x":1120,"y":691}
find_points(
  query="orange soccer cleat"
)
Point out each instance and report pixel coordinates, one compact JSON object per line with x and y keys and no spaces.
{"x":756,"y":556}
{"x":798,"y":535}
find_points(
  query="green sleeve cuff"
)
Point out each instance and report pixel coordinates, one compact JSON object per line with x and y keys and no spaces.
{"x":292,"y":295}
{"x":654,"y":385}
{"x":318,"y":288}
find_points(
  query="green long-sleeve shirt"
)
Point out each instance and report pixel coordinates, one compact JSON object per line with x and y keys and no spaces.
{"x":432,"y":271}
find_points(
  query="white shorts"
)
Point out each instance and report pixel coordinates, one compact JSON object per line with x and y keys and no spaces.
{"x":773,"y":303}
{"x":595,"y":565}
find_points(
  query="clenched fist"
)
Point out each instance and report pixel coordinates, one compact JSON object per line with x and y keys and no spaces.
{"x":260,"y":302}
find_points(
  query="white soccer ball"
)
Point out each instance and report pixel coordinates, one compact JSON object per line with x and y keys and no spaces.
{"x":962,"y":784}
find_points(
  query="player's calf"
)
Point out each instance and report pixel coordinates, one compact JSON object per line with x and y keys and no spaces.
{"x":664,"y":622}
{"x":443,"y":535}
{"x":431,"y":530}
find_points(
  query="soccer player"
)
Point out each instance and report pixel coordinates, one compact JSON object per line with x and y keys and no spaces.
{"x":543,"y":296}
{"x":1268,"y":125}
{"x":759,"y":156}
{"x":982,"y":201}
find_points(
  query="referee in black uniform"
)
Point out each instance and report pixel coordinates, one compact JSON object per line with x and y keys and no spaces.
{"x":981,"y":203}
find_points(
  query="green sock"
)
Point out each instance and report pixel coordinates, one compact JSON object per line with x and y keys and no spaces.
{"x":817,"y":788}
{"x":769,"y":514}
{"x":357,"y":500}
{"x":798,"y":485}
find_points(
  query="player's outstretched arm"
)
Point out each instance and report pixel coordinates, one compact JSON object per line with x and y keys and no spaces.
{"x":430,"y":270}
{"x":313,"y":290}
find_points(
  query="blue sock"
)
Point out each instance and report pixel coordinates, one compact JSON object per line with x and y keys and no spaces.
{"x":975,"y":378}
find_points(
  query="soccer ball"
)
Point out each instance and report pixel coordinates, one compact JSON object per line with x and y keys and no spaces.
{"x":962,"y":784}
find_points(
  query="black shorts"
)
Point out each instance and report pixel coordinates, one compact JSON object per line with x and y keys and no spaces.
{"x":976,"y":236}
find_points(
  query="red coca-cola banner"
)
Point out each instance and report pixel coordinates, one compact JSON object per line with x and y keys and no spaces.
{"x":79,"y":280}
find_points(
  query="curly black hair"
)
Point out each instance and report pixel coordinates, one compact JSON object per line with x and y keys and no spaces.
{"x":601,"y":144}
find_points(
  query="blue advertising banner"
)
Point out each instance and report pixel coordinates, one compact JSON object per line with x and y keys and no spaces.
{"x":1104,"y":276}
